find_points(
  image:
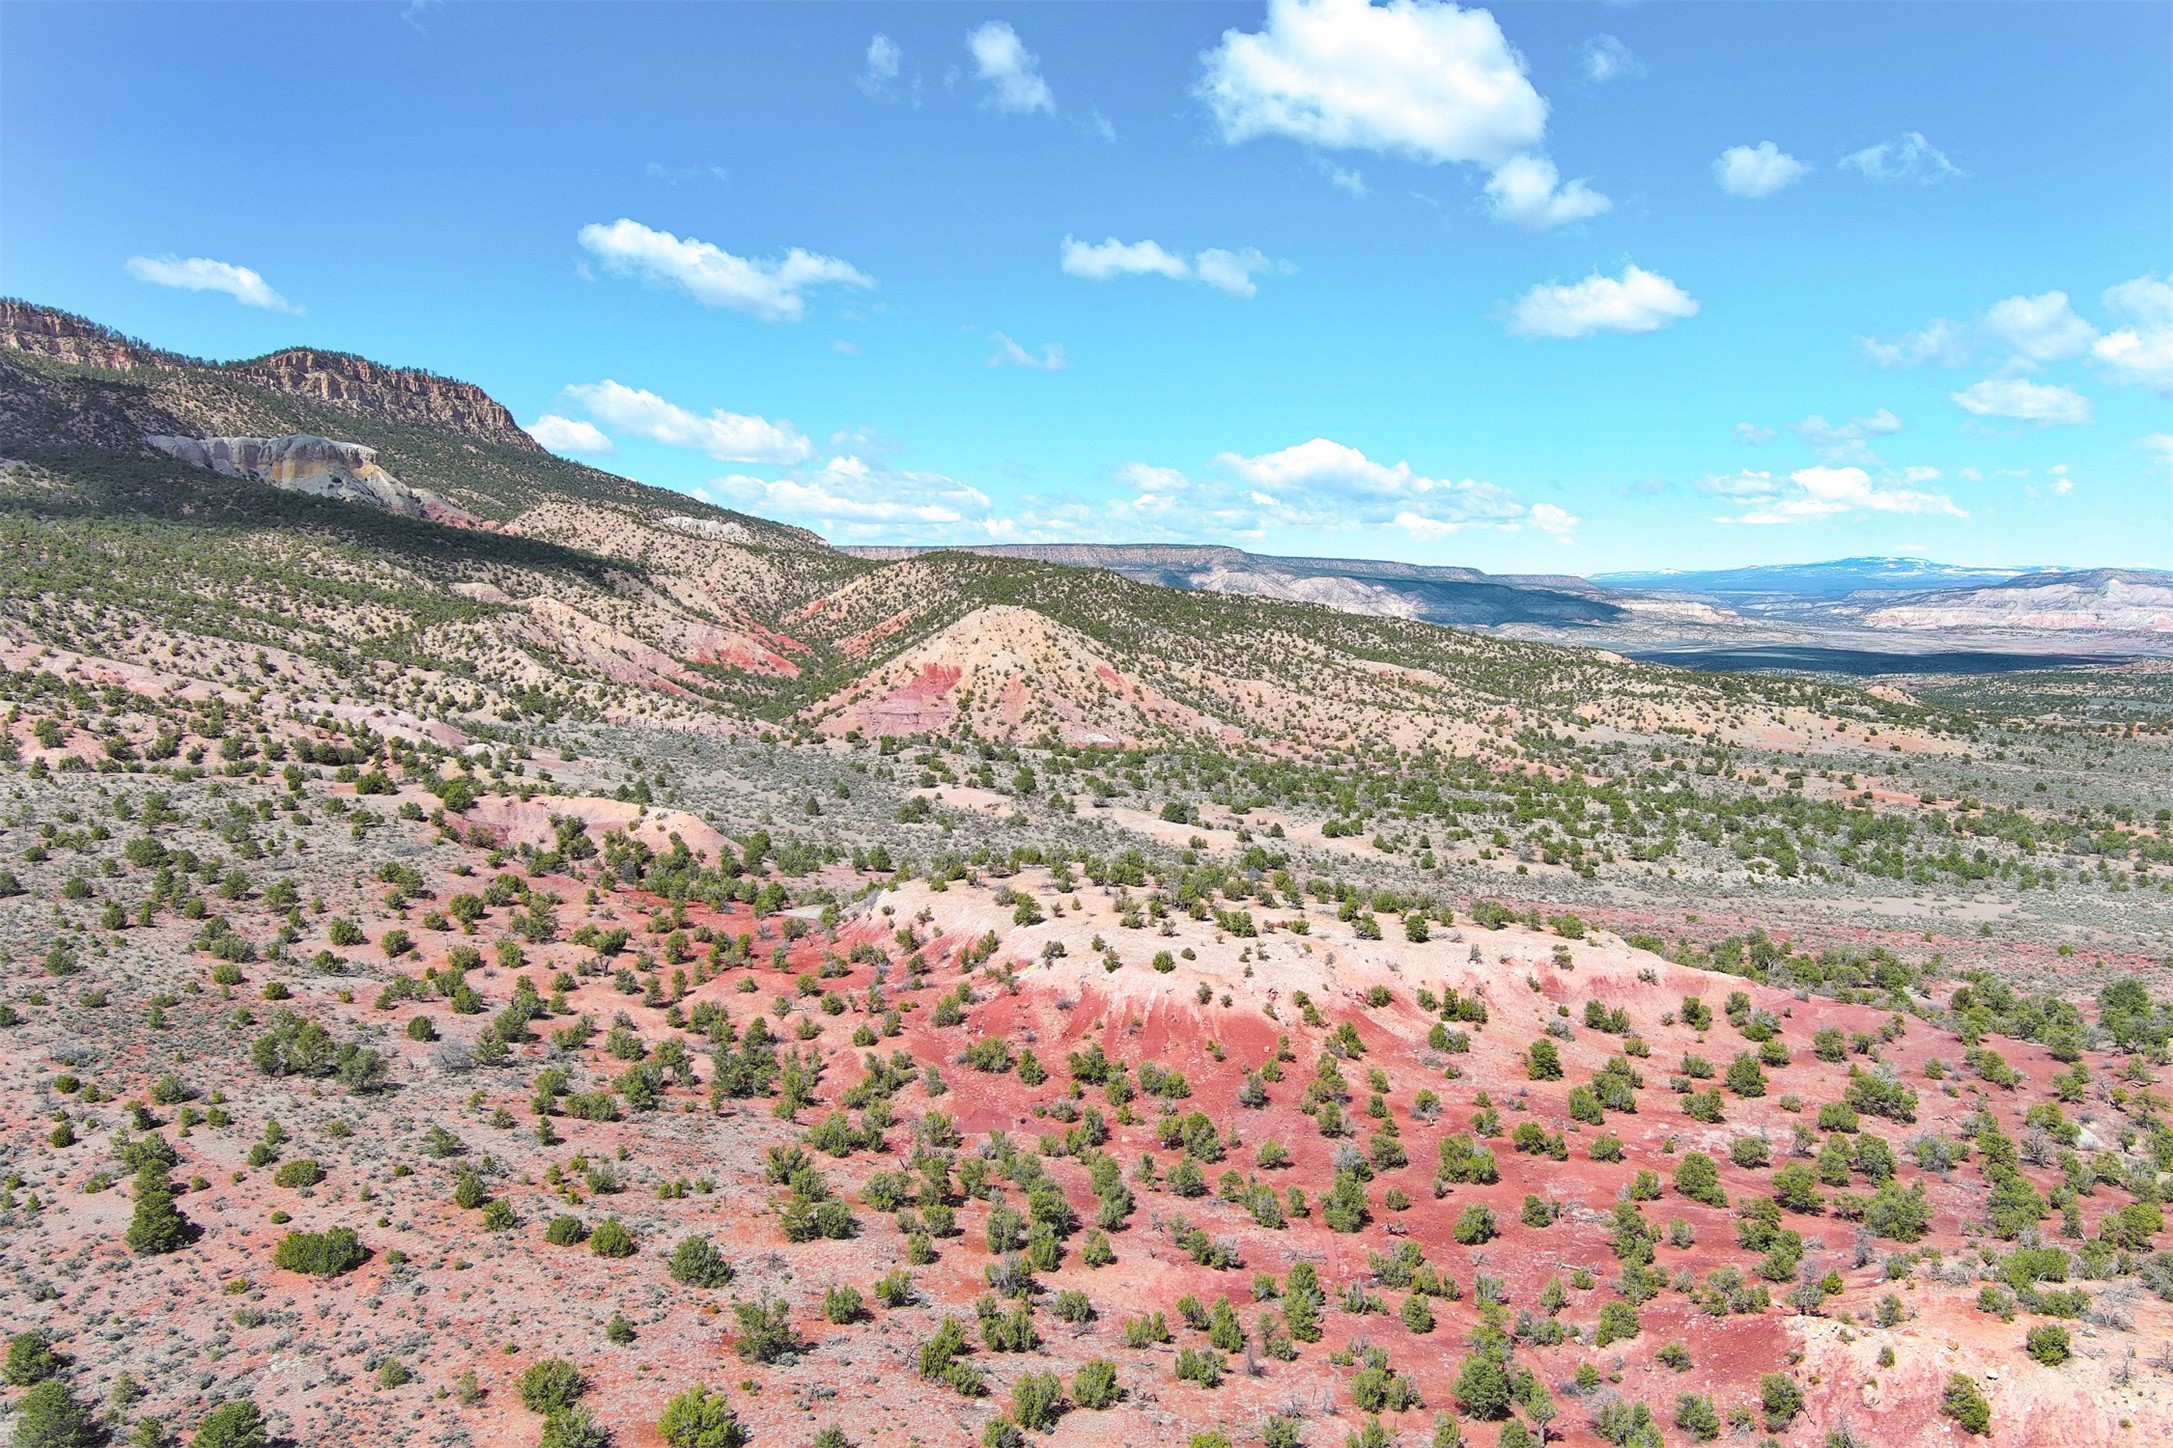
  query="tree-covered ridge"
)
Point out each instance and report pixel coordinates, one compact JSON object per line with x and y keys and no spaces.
{"x":46,"y":401}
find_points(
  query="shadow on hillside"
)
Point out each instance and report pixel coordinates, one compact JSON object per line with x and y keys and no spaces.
{"x":108,"y":488}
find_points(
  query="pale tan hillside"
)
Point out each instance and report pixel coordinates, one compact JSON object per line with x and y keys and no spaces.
{"x":1010,"y":673}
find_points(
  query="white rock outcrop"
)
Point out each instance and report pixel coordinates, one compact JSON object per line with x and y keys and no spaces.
{"x":303,"y":463}
{"x":717,"y":530}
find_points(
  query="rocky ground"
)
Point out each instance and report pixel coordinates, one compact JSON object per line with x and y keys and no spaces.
{"x":142,"y":1030}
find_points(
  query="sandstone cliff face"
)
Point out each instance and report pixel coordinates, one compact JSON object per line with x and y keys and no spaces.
{"x":358,"y":385}
{"x":319,"y":466}
{"x":2135,"y":601}
{"x":42,"y":332}
{"x":335,"y":379}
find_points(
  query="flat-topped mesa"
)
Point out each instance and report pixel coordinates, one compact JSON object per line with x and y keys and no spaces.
{"x":77,"y":341}
{"x":358,"y":385}
{"x":335,"y":379}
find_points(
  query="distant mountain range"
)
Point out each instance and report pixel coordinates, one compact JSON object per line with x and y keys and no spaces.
{"x":1819,"y":580}
{"x":1910,"y":596}
{"x":1870,"y":604}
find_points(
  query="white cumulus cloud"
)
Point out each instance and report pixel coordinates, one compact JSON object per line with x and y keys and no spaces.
{"x":1412,"y":78}
{"x":202,"y":274}
{"x":774,"y":291}
{"x":1428,"y":81}
{"x":848,"y":497}
{"x":1548,"y":518}
{"x":1528,"y":191}
{"x":1327,"y":482}
{"x":1146,"y":479}
{"x":2044,"y":403}
{"x":1636,"y":301}
{"x":1164,"y":503}
{"x":2148,"y":299}
{"x":1809,"y":495}
{"x":1011,"y":72}
{"x":1231,"y":271}
{"x":2043,"y":328}
{"x":2159,"y":446}
{"x":1099,"y":261}
{"x":1225,"y":270}
{"x":570,"y":435}
{"x":730,"y":437}
{"x":2139,"y":357}
{"x":1319,"y":485}
{"x":2141,"y":354}
{"x":1755,"y":171}
{"x":2032,"y":330}
{"x":1908,"y":157}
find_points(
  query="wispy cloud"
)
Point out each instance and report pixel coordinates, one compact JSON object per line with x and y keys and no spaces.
{"x":852,"y":499}
{"x":680,"y":175}
{"x":1010,"y":354}
{"x":1810,"y":495}
{"x":1908,"y":157}
{"x":1223,"y":269}
{"x":774,"y":291}
{"x":731,"y":437}
{"x":1605,"y":58}
{"x":1939,"y":340}
{"x":1346,"y":179}
{"x":879,"y":72}
{"x":202,"y":274}
{"x":1848,"y":441}
{"x":1323,"y":485}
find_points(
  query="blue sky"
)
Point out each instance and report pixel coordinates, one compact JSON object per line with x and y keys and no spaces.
{"x":1559,"y":287}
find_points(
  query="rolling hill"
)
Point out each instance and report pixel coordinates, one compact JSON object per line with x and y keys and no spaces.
{"x":543,"y":587}
{"x":1460,"y":597}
